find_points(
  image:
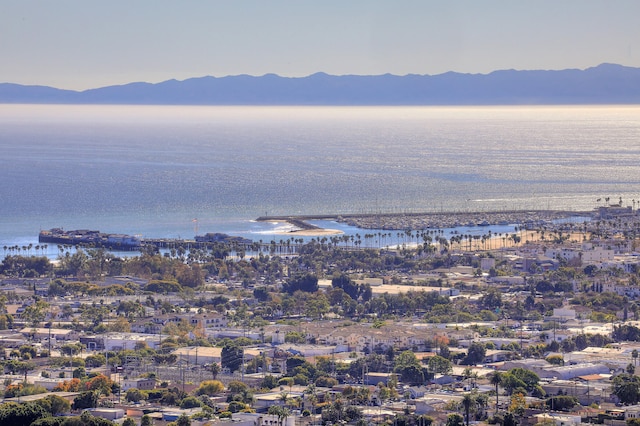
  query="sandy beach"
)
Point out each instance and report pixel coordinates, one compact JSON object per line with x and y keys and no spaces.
{"x":535,"y":219}
{"x":320,"y":232}
{"x":303,"y":229}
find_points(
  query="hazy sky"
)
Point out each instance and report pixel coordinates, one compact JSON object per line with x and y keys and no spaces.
{"x":83,"y":44}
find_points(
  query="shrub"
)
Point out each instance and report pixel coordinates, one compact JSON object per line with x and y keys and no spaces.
{"x":190,"y":402}
{"x":210,"y":387}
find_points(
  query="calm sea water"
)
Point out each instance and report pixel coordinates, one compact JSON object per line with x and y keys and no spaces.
{"x":151,"y":170}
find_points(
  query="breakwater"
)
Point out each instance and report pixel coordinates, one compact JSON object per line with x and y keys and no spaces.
{"x":417,"y":221}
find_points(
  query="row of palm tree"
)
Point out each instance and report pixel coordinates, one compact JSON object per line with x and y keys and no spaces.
{"x":26,"y":249}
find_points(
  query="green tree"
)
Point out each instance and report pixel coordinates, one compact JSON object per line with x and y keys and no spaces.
{"x":215,"y":369}
{"x":492,"y":299}
{"x":236,"y":387}
{"x":55,"y":404}
{"x":303,"y":282}
{"x":183,"y":420}
{"x":455,"y":419}
{"x":190,"y":402}
{"x":439,"y":365}
{"x":25,"y":367}
{"x":86,"y":400}
{"x":475,"y":354}
{"x":405,"y":359}
{"x":555,"y":359}
{"x":407,"y":365}
{"x":269,"y":382}
{"x":521,"y":377}
{"x":509,"y":420}
{"x":562,"y":402}
{"x":135,"y":395}
{"x":627,"y":388}
{"x":35,"y":313}
{"x":12,"y":414}
{"x":210,"y":387}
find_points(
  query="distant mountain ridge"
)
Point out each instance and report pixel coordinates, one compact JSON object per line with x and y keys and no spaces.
{"x":603,"y":84}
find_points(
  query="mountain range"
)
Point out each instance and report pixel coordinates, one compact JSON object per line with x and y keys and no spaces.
{"x":603,"y":84}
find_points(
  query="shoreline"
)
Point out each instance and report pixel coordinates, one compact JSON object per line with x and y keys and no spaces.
{"x":419,"y":221}
{"x":305,"y":229}
{"x":315,"y":232}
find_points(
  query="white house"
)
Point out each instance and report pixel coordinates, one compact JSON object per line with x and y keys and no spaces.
{"x":142,"y":383}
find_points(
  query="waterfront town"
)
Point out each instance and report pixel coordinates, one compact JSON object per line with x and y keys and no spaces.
{"x":537,"y":326}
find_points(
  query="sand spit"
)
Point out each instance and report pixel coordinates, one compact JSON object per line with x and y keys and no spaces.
{"x":319,"y":232}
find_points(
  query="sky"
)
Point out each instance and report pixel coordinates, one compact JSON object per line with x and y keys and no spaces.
{"x":85,"y":44}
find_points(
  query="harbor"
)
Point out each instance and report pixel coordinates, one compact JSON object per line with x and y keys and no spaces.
{"x":442,"y":220}
{"x":301,"y":226}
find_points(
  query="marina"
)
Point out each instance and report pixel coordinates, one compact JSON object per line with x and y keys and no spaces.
{"x":427,"y":220}
{"x":300,"y":226}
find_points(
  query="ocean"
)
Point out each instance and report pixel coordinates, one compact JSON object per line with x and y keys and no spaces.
{"x":174,"y":171}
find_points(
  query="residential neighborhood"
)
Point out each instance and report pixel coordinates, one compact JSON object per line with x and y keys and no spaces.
{"x":538,"y":326}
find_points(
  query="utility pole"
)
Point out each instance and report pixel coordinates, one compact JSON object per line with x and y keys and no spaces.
{"x":242,"y":367}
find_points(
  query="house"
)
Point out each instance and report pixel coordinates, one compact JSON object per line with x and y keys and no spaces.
{"x":415,"y":391}
{"x":509,"y":280}
{"x":563,"y":314}
{"x":199,"y":355}
{"x":558,"y":419}
{"x":57,"y":334}
{"x":486,"y":263}
{"x":569,"y":372}
{"x":632,"y":412}
{"x":542,"y":263}
{"x":613,"y":211}
{"x":266,"y":400}
{"x":120,"y":341}
{"x":48,"y":384}
{"x":496,"y":355}
{"x":107,"y":413}
{"x":141,"y":383}
{"x":209,"y":320}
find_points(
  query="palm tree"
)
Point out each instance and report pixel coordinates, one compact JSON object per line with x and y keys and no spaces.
{"x":496,"y":380}
{"x":466,"y":375}
{"x":467,"y":402}
{"x":284,"y":398}
{"x":310,"y":391}
{"x":215,"y":370}
{"x":281,"y":412}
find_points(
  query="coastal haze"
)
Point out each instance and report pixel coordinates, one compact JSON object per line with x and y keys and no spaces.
{"x":603,"y":84}
{"x":152,"y":170}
